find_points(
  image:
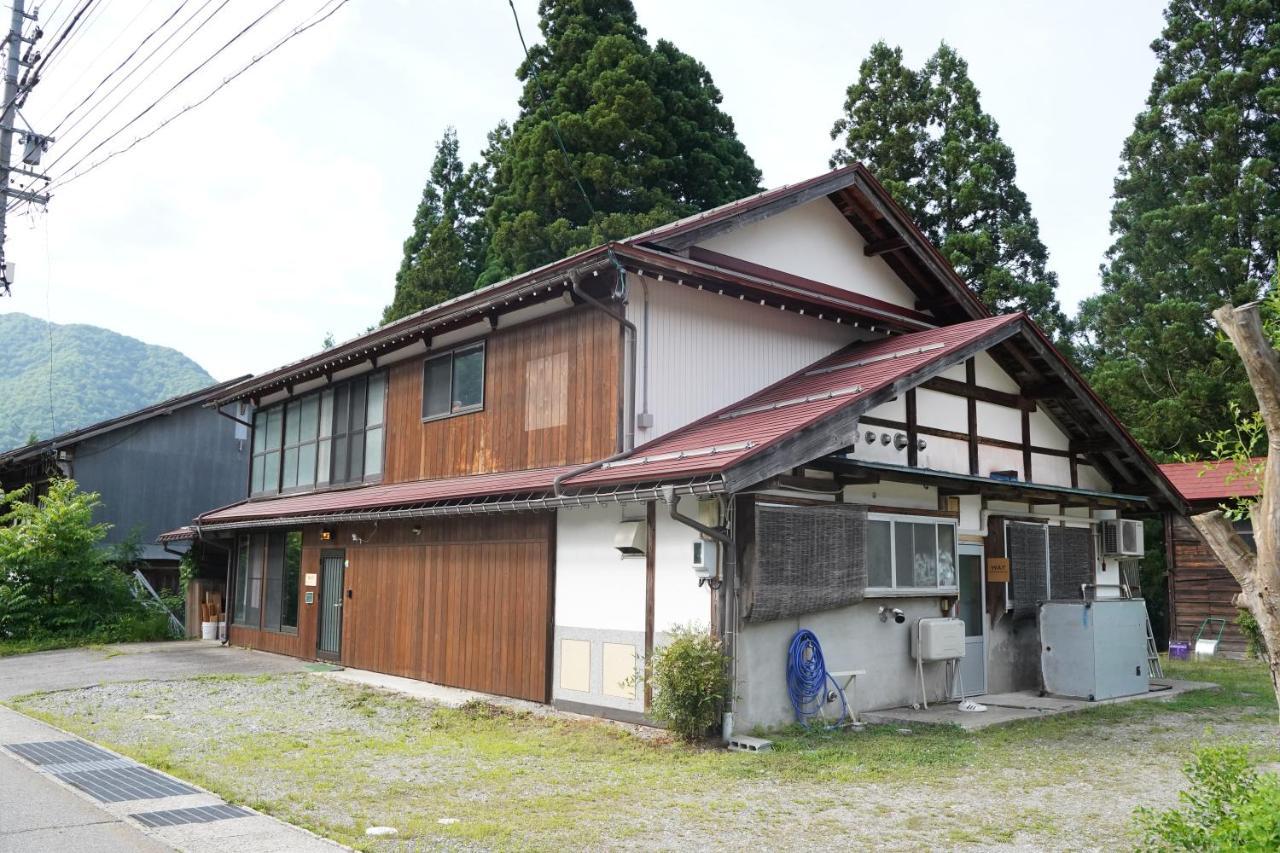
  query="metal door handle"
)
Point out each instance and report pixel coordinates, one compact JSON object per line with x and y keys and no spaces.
{"x":337,"y":604}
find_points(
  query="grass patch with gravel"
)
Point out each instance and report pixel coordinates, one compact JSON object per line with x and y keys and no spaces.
{"x":336,"y":758}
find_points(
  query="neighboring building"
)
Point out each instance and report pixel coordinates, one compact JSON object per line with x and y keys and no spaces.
{"x":154,"y":468}
{"x":1200,"y":587}
{"x":793,"y":397}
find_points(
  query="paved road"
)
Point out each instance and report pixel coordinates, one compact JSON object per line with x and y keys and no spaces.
{"x":38,"y":812}
{"x":69,"y":668}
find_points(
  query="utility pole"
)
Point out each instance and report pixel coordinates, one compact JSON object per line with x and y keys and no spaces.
{"x":35,"y":144}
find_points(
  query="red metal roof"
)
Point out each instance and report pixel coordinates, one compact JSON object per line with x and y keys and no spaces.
{"x":747,"y":427}
{"x":392,"y":495}
{"x":1213,"y":481}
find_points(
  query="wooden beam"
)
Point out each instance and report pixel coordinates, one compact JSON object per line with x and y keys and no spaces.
{"x":913,"y":453}
{"x":987,"y":395}
{"x":650,"y":575}
{"x":1026,"y":446}
{"x":880,"y":247}
{"x":971,"y":379}
{"x":955,"y":435}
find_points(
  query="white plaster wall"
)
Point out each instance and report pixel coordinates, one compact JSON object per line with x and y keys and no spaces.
{"x":706,"y":351}
{"x":988,"y":374}
{"x":678,"y":600}
{"x":595,"y":586}
{"x":944,"y":411}
{"x":998,"y":422}
{"x":814,"y":240}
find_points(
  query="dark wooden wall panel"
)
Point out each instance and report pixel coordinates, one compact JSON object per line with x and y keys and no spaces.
{"x":568,"y":414}
{"x":1200,"y":587}
{"x":466,"y":603}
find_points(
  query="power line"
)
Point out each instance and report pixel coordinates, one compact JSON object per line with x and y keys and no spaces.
{"x":122,"y":64}
{"x":32,"y":75}
{"x":70,"y":146}
{"x":311,"y":21}
{"x":164,"y":94}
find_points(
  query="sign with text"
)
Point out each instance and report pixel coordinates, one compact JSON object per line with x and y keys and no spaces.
{"x":997,"y":570}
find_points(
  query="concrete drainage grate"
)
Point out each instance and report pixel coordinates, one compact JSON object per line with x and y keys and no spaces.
{"x":121,"y":784}
{"x":202,"y":814}
{"x":59,"y":752}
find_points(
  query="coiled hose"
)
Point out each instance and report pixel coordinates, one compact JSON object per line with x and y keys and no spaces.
{"x":807,"y":679}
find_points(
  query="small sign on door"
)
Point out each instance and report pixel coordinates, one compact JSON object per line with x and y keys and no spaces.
{"x":311,"y":598}
{"x":310,"y":579}
{"x":997,"y":570}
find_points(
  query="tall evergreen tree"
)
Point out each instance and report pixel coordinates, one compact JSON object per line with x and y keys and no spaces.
{"x":444,"y":255}
{"x":645,"y":137}
{"x":1196,"y":222}
{"x":925,"y":135}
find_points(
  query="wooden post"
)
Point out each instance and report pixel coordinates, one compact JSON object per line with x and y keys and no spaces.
{"x":650,"y":575}
{"x":912,"y":434}
{"x":971,"y":377}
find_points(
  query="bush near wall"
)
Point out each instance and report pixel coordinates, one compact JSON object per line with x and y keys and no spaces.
{"x":690,"y":680}
{"x":56,"y":583}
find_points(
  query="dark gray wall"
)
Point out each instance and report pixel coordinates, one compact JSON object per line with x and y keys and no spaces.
{"x":161,"y":473}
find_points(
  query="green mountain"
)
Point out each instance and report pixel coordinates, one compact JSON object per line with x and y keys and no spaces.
{"x":97,"y":374}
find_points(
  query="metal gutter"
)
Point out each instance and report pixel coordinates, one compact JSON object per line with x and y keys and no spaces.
{"x":482,"y":506}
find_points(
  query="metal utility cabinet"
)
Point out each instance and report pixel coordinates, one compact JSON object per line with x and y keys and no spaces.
{"x":1094,"y":649}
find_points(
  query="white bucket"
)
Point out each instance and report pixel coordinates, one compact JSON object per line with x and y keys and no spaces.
{"x":222,"y":631}
{"x":209,"y":630}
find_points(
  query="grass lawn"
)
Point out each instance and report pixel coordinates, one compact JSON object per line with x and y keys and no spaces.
{"x":337,"y":758}
{"x":23,"y":647}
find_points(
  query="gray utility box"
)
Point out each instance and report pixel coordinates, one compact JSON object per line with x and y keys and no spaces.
{"x":1094,"y":649}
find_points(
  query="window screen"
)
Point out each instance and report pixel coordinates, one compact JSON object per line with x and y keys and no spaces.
{"x":807,"y":559}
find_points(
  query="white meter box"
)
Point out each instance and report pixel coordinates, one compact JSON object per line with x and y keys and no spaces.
{"x":937,"y":639}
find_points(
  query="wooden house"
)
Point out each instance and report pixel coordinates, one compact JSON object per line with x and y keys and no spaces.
{"x":520,"y":491}
{"x":1200,"y":587}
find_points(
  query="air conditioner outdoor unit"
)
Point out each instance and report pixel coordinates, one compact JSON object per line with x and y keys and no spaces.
{"x":1122,"y":538}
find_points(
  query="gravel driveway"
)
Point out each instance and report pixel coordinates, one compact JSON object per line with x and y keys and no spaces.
{"x":85,"y":667}
{"x":336,"y":758}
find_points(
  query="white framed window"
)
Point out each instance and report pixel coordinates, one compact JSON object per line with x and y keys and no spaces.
{"x":911,"y":555}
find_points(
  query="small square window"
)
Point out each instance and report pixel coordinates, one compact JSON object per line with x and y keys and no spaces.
{"x":453,"y":382}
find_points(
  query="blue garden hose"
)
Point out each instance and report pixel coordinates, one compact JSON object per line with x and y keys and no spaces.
{"x":807,"y":678}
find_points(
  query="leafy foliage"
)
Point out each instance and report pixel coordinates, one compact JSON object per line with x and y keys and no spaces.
{"x":1228,"y":806}
{"x":444,"y":255}
{"x":927,"y":139}
{"x":97,"y":374}
{"x":57,"y":581}
{"x":645,"y":142}
{"x":690,"y":678}
{"x":1196,"y":221}
{"x":1256,"y":645}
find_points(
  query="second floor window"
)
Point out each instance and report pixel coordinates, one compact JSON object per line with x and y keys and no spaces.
{"x":327,"y":437}
{"x":453,"y":382}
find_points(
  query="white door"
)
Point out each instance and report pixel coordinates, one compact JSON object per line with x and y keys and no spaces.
{"x":971,"y":609}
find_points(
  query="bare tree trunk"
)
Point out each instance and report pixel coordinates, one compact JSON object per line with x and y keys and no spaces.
{"x":1257,"y":572}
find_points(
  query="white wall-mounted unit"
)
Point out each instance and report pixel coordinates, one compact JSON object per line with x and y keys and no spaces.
{"x":1122,"y":537}
{"x":705,"y":562}
{"x":938,"y":639}
{"x":1094,"y":649}
{"x":630,"y":538}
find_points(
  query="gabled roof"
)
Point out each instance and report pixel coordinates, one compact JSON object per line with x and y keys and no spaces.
{"x":164,"y":407}
{"x":794,"y":410}
{"x":1214,"y":481}
{"x":860,"y":198}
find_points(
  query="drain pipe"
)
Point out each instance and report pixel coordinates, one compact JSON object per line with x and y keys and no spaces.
{"x":628,"y":436}
{"x":673,"y":506}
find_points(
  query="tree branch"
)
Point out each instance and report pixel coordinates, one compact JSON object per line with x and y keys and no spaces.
{"x":1230,"y":547}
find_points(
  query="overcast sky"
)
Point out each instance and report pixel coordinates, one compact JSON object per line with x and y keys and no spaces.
{"x":275,"y":212}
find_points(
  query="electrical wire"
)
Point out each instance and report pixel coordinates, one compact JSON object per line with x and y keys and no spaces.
{"x":68,"y":149}
{"x":90,"y":20}
{"x":310,"y":22}
{"x":32,"y":74}
{"x":69,"y":146}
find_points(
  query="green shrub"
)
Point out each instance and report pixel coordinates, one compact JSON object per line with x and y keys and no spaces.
{"x":1248,"y":625}
{"x":1228,"y":806}
{"x":690,"y":680}
{"x":56,"y":581}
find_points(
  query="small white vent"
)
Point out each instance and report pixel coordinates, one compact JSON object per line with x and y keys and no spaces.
{"x":1122,"y":538}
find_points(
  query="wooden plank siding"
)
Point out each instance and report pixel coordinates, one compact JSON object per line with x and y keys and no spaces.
{"x":467,"y":602}
{"x":1200,"y":587}
{"x":551,"y":397}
